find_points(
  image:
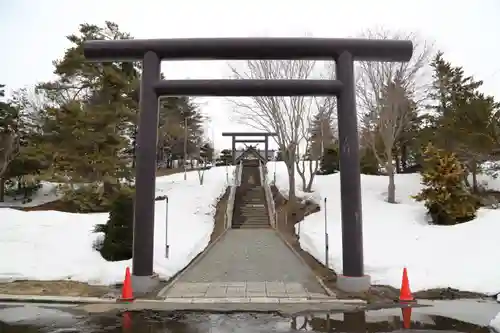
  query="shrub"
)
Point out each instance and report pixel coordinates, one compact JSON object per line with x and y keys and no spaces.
{"x":90,"y":198}
{"x":445,"y":194}
{"x":329,"y":161}
{"x":23,"y":187}
{"x":118,"y":231}
{"x":86,"y":198}
{"x":368,"y":162}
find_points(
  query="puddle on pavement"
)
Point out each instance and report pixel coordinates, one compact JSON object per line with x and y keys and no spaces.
{"x":385,"y":320}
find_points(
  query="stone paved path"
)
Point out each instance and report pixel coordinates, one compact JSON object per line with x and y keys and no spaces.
{"x":248,"y":263}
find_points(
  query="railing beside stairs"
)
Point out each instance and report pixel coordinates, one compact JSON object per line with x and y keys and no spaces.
{"x":234,"y":183}
{"x":268,"y":193}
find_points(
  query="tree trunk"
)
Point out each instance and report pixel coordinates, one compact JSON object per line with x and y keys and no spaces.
{"x":2,"y":189}
{"x":108,"y":189}
{"x":398,"y":163}
{"x":466,"y":179}
{"x":473,"y":170}
{"x":292,"y":198}
{"x":404,"y":157}
{"x":302,"y":174}
{"x":391,"y":188}
{"x":313,"y":174}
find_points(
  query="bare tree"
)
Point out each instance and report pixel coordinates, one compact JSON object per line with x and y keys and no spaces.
{"x":285,"y":116}
{"x":387,"y":124}
{"x":383,"y":92}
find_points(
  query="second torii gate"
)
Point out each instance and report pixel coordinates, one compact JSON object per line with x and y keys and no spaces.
{"x":234,"y":140}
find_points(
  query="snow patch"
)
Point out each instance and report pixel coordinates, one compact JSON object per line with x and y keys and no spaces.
{"x":49,"y":245}
{"x":398,"y":235}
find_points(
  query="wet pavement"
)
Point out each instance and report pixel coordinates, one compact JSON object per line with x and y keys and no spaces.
{"x":443,"y":316}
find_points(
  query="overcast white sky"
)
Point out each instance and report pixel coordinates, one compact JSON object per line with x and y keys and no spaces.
{"x":32,"y":33}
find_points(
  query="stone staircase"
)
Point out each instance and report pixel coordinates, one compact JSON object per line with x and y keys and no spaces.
{"x":250,"y":209}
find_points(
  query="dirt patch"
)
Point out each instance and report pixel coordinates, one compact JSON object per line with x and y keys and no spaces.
{"x":58,"y":205}
{"x":54,"y":288}
{"x":377,"y":293}
{"x":220,"y":216}
{"x":168,"y":172}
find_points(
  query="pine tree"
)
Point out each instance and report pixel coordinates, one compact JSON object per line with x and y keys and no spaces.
{"x":321,"y":135}
{"x":226,"y":156}
{"x":175,"y":114}
{"x":9,"y":139}
{"x":31,"y":158}
{"x":87,"y":127}
{"x":445,"y":195}
{"x":465,"y":120}
{"x":368,"y":162}
{"x":452,"y":91}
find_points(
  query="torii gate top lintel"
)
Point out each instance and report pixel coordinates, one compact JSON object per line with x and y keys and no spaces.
{"x":263,"y":48}
{"x":234,"y":134}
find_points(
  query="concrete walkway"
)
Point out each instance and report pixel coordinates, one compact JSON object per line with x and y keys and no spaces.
{"x":247,"y":264}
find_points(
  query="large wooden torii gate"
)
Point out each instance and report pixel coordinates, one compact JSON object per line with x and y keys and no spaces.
{"x":343,"y":51}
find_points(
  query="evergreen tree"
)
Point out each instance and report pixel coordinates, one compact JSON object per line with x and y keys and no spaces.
{"x":207,"y":152}
{"x":92,"y":111}
{"x":465,"y":120}
{"x":31,"y":158}
{"x":368,"y":162}
{"x":9,"y":139}
{"x":226,"y":156}
{"x":279,"y":155}
{"x":445,"y":195}
{"x":179,"y":119}
{"x":321,"y":135}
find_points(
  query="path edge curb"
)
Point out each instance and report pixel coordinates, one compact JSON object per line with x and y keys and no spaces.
{"x":195,"y":261}
{"x":36,"y":299}
{"x":330,"y":292}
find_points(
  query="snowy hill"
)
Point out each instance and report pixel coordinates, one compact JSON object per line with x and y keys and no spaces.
{"x":464,"y":256}
{"x":53,"y":245}
{"x":48,"y":245}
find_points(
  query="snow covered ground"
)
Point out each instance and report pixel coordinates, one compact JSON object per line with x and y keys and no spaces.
{"x":464,"y":256}
{"x":48,"y":245}
{"x":47,"y":193}
{"x":495,"y":323}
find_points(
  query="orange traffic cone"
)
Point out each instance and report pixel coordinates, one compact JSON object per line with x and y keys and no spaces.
{"x":127,"y":293}
{"x":406,"y":317}
{"x":405,"y":292}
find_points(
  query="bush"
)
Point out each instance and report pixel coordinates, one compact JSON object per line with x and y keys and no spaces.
{"x":368,"y":162}
{"x":86,"y":198}
{"x":118,"y":231}
{"x":445,"y":194}
{"x":90,"y":198}
{"x":329,"y":161}
{"x":24,"y":187}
